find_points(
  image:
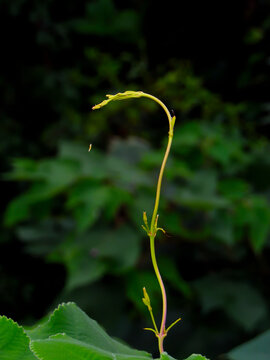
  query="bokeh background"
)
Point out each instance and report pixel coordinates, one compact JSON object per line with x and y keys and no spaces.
{"x":71,"y":224}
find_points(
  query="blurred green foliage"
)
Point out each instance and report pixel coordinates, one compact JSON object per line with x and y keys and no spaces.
{"x":83,"y":210}
{"x":257,"y":348}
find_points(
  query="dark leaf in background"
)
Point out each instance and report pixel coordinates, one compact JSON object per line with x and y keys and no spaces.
{"x":258,"y":348}
{"x":240,"y":301}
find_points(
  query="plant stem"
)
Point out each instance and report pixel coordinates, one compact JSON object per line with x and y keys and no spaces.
{"x":152,"y":231}
{"x":163,"y":292}
{"x":153,"y":321}
{"x":154,"y":216}
{"x":153,"y":227}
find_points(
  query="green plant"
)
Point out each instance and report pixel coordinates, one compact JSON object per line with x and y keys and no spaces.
{"x":153,"y":228}
{"x":76,"y":213}
{"x":68,"y":331}
{"x":67,"y":334}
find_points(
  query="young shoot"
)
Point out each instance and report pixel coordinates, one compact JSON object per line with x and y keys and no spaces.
{"x":152,"y":228}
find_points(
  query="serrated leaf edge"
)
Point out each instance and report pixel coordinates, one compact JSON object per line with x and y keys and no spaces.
{"x":52,"y":315}
{"x":35,"y":353}
{"x":14,"y":323}
{"x":204,"y":358}
{"x":20,"y":328}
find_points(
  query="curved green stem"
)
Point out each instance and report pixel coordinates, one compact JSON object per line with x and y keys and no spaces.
{"x":152,"y":231}
{"x":153,"y":226}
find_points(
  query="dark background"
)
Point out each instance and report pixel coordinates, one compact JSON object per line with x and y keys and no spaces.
{"x":209,"y":61}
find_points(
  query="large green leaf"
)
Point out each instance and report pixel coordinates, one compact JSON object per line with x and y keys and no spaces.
{"x":255,"y":349}
{"x":68,"y":319}
{"x":14,"y":343}
{"x":62,"y":347}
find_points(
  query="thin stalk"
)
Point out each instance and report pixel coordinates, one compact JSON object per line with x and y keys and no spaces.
{"x":152,"y":231}
{"x":153,"y":228}
{"x":153,"y":321}
{"x":162,"y":332}
{"x":159,"y":183}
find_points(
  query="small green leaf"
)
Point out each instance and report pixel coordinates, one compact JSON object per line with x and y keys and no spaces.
{"x":146,"y":299}
{"x":165,"y":356}
{"x":196,"y":357}
{"x":145,"y":220}
{"x":120,"y":96}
